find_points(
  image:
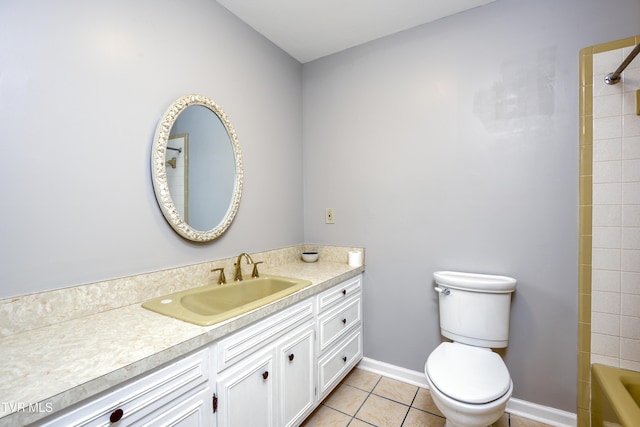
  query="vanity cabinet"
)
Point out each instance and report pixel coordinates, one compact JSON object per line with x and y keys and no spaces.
{"x":275,"y":372}
{"x":339,"y":345}
{"x":271,"y":373}
{"x":175,"y":395}
{"x":267,"y":371}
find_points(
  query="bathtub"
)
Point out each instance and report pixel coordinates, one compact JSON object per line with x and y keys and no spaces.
{"x":615,"y":397}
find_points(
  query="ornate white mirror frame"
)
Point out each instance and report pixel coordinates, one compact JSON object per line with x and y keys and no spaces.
{"x":159,"y":170}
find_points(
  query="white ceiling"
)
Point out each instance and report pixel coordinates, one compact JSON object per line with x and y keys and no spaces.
{"x":311,"y":29}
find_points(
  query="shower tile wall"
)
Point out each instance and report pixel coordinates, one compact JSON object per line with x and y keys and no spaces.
{"x":615,"y":299}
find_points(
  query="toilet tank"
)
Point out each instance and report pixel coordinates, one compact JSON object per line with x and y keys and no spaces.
{"x":475,"y":308}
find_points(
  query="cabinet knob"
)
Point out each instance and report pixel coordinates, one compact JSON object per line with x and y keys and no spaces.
{"x":291,"y":356}
{"x":344,"y":321}
{"x":344,"y":292}
{"x":344,"y":358}
{"x":116,"y":415}
{"x":265,"y":375}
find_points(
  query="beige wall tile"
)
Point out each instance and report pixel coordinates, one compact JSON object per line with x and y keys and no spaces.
{"x":630,"y":327}
{"x":630,"y":282}
{"x":603,"y":323}
{"x":630,"y":349}
{"x":605,"y":345}
{"x":602,"y":124}
{"x":607,"y":149}
{"x":605,"y":302}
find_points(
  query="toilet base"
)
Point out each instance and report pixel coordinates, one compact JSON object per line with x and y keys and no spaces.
{"x":458,"y":414}
{"x":448,"y":423}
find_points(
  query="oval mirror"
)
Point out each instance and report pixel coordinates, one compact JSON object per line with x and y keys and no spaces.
{"x":196,"y":168}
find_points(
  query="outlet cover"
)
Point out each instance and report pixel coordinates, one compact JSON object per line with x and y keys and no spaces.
{"x":329,"y":216}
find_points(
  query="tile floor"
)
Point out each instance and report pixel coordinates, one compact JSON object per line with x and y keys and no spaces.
{"x":365,"y":399}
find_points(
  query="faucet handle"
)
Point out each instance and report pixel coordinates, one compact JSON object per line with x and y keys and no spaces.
{"x":221,"y":279}
{"x":254,"y":273}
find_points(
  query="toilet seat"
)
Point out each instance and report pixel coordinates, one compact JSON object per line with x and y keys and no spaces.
{"x":468,"y":374}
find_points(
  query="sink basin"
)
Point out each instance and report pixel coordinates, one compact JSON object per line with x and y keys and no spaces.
{"x":210,"y":304}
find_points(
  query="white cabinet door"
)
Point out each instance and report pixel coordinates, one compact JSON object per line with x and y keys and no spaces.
{"x":296,"y":360}
{"x":246,"y":392}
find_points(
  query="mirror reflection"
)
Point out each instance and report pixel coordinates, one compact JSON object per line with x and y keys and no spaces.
{"x":197,"y":168}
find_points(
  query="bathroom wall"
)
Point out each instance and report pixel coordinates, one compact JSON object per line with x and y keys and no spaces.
{"x":615,"y":280}
{"x":82,"y":88}
{"x":455,"y":146}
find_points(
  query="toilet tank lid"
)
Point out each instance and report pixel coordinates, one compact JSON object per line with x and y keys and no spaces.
{"x":468,"y":374}
{"x":475,"y":282}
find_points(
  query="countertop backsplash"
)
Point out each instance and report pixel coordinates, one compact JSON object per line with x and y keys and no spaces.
{"x":28,"y":312}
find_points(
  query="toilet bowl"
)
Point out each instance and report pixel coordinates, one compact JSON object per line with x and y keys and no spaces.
{"x":470,"y":385}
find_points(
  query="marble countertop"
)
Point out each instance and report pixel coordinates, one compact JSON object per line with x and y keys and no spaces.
{"x":61,"y":364}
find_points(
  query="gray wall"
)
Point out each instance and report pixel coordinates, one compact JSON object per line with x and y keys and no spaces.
{"x":82,"y":88}
{"x":455,"y":146}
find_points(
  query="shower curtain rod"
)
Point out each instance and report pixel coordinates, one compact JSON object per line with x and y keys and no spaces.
{"x":613,"y":78}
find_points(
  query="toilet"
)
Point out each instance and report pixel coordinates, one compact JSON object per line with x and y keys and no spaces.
{"x":469,"y":383}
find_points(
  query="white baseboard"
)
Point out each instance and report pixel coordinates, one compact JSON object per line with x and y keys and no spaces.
{"x":544,"y":414}
{"x":522,"y":408}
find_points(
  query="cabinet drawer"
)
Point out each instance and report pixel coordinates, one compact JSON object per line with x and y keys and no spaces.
{"x":248,"y":340}
{"x":335,"y":364}
{"x":142,"y":396}
{"x":339,"y":293}
{"x":335,"y":323}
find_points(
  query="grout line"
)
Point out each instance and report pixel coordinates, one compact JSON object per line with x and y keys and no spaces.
{"x":410,"y":406}
{"x":371,"y":392}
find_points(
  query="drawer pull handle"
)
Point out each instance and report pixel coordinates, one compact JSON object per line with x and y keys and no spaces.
{"x":344,"y":321}
{"x":265,"y":375}
{"x":344,"y":358}
{"x":291,"y":356}
{"x":116,"y":415}
{"x":344,"y":292}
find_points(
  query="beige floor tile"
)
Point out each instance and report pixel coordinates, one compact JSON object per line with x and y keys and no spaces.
{"x":326,"y":417}
{"x":502,"y":422}
{"x":357,"y":423}
{"x":517,"y":421}
{"x":362,"y":379}
{"x":417,"y":418}
{"x":346,"y":398}
{"x":382,"y":412}
{"x":396,"y":390}
{"x":425,"y":402}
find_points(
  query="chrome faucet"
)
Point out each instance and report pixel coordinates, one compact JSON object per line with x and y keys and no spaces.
{"x":238,"y":275}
